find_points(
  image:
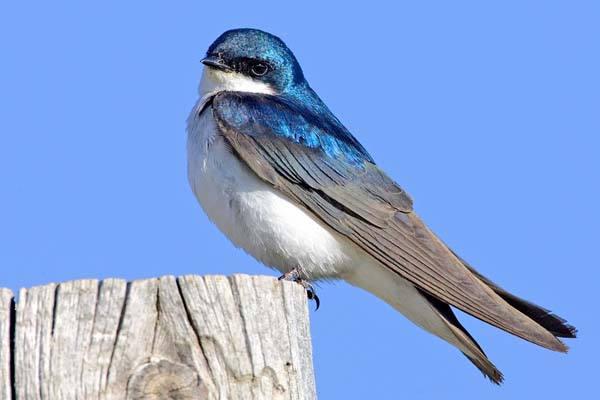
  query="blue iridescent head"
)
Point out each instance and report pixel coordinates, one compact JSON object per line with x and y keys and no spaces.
{"x":258,"y":55}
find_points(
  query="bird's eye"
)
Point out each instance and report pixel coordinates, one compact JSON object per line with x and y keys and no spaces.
{"x":259,"y":69}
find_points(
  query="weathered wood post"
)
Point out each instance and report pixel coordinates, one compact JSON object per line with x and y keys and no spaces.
{"x":194,"y":337}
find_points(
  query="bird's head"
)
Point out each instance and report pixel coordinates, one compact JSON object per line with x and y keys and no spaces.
{"x":250,"y":60}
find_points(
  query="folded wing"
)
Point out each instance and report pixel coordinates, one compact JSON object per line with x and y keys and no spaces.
{"x":324,"y":169}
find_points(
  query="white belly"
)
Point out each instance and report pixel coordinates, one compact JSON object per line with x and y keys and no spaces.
{"x":256,"y":217}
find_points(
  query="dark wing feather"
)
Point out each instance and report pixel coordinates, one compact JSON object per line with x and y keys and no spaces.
{"x":354,"y":197}
{"x":552,"y":322}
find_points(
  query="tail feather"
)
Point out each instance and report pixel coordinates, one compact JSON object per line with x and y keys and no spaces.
{"x":469,"y":347}
{"x":553,"y":323}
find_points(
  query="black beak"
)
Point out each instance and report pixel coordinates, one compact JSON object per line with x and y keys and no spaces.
{"x":215,"y":62}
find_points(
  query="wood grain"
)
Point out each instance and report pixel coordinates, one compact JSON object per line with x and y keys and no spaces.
{"x":194,"y":337}
{"x":6,"y":315}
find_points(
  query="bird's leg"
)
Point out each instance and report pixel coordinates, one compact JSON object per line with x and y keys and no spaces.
{"x":294,"y":276}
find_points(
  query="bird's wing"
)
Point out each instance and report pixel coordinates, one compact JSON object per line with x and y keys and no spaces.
{"x":325,"y":172}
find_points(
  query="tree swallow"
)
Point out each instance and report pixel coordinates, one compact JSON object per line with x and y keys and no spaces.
{"x":281,"y":176}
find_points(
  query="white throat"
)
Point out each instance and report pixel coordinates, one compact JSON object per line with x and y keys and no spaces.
{"x":214,"y":81}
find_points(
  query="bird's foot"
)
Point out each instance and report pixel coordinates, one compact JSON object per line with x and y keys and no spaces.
{"x":310,"y":292}
{"x":294,"y":276}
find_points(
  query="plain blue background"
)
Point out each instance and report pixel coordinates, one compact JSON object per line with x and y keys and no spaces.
{"x":488,"y":114}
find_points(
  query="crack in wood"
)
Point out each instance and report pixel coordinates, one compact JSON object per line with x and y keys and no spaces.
{"x":119,"y":327}
{"x":193,"y":326}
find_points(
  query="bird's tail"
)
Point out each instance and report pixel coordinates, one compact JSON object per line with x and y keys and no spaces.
{"x":424,"y":310}
{"x":466,"y":343}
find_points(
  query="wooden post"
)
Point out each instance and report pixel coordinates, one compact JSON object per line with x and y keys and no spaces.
{"x":194,"y":337}
{"x":6,"y":314}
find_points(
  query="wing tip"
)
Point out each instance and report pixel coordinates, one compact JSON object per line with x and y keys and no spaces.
{"x":573,"y":332}
{"x":561,"y":347}
{"x":558,"y":326}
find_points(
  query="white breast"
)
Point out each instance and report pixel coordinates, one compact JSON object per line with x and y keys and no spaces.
{"x":255,"y":216}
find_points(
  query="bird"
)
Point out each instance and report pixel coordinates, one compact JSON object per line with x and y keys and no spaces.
{"x":286,"y":181}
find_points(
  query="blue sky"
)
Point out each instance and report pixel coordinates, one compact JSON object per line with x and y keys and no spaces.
{"x":488,"y":114}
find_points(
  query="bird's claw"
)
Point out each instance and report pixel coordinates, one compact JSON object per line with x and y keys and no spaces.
{"x":312,"y":295}
{"x":294,"y":276}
